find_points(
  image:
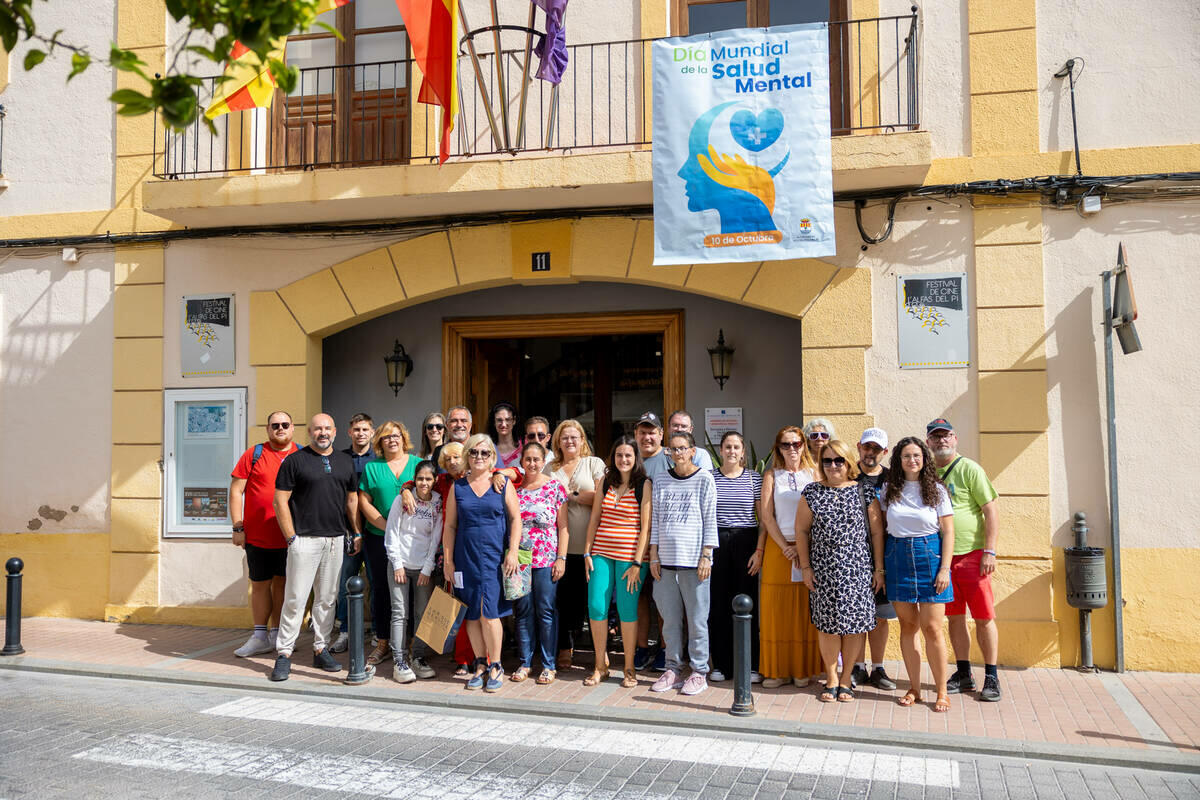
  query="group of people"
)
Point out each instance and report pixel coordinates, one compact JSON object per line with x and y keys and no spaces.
{"x":829,"y":542}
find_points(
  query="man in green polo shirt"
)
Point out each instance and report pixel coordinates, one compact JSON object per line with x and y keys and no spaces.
{"x":976,"y":526}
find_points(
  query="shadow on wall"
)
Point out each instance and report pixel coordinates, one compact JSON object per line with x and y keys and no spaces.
{"x":1135,"y":218}
{"x":1030,"y":600}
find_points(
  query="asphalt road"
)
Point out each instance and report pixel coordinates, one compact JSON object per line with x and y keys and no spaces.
{"x":78,"y":737}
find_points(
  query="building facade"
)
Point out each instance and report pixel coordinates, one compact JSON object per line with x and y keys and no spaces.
{"x":441,"y":260}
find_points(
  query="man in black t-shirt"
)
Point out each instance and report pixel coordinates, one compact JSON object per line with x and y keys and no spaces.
{"x":316,"y":496}
{"x":872,"y":447}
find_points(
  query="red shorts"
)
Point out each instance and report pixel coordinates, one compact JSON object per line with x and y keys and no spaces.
{"x":971,"y":590}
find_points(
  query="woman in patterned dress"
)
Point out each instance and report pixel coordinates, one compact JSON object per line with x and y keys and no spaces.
{"x":832,"y":523}
{"x":543,"y":503}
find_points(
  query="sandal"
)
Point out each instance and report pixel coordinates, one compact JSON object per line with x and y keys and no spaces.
{"x":463,"y":671}
{"x":942,"y":704}
{"x":910,"y":698}
{"x":597,"y":677}
{"x":547,"y":677}
{"x":845,"y":694}
{"x":519,"y":674}
{"x":381,"y":653}
{"x":564,"y":659}
{"x":630,"y":679}
{"x":827,"y":695}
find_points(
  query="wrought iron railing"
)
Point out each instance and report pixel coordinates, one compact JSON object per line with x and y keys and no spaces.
{"x":365,"y":114}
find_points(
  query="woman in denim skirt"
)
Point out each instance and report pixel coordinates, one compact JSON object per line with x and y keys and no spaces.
{"x":916,"y":556}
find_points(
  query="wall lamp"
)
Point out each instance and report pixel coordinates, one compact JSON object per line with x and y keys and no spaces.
{"x":722,"y":360}
{"x":399,"y":367}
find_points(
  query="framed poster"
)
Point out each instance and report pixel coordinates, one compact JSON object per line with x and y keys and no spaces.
{"x":933,"y":330}
{"x":717,"y":421}
{"x":206,"y":343}
{"x":203,"y":437}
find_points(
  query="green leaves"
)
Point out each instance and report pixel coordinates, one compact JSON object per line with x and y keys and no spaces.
{"x":79,"y":62}
{"x":33,"y":58}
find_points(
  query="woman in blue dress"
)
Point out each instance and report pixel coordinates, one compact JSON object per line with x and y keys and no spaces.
{"x":481,"y":523}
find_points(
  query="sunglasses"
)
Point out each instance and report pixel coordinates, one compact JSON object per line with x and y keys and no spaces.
{"x":479,"y":453}
{"x":830,"y":462}
{"x":678,"y":450}
{"x":536,"y":437}
{"x":280,"y":426}
{"x":435,"y":426}
{"x":328,"y":466}
{"x":818,"y":436}
{"x":790,"y":445}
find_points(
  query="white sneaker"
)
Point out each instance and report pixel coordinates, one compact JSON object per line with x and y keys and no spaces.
{"x":716,"y":676}
{"x":341,"y":643}
{"x":755,"y":677}
{"x":255,"y":646}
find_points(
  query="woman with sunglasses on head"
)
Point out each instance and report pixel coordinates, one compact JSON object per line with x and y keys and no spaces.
{"x":917,"y":556}
{"x":580,"y":472}
{"x":833,"y":519}
{"x":378,"y":488}
{"x":817,"y":431}
{"x":502,"y":426}
{"x":433,"y":435}
{"x":788,"y":648}
{"x":481,"y":538}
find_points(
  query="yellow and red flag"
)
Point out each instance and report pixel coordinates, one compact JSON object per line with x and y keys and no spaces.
{"x":249,"y":83}
{"x":432,"y":27}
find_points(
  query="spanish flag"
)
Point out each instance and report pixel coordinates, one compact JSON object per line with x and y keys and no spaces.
{"x":432,"y":27}
{"x":249,"y":81}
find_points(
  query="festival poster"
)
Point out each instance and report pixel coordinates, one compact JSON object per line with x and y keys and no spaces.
{"x":206,"y":344}
{"x":742,"y":164}
{"x":932,"y":321}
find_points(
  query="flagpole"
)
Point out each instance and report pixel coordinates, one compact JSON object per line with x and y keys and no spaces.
{"x":500,"y":90}
{"x":553,"y":112}
{"x":525,"y":77}
{"x":487,"y":104}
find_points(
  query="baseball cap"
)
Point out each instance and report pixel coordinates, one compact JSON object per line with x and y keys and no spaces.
{"x":939,"y":424}
{"x":875,"y":435}
{"x":649,"y":418}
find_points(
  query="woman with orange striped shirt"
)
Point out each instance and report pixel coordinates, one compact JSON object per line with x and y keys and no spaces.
{"x":614,"y":557}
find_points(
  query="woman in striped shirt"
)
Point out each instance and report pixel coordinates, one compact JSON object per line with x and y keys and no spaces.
{"x":739,"y":556}
{"x":614,"y":557}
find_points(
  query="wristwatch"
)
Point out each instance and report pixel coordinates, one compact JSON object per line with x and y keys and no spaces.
{"x":239,"y":526}
{"x":561,"y":558}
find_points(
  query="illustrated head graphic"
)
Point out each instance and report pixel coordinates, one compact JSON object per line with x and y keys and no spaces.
{"x":742,"y":193}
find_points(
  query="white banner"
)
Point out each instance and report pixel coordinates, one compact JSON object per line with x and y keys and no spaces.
{"x":742,"y":165}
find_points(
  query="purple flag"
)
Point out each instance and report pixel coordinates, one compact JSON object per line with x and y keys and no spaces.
{"x":552,"y":48}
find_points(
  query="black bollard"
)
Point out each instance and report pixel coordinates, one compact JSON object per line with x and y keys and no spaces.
{"x":360,"y":671}
{"x":743,"y":700}
{"x":12,"y":614}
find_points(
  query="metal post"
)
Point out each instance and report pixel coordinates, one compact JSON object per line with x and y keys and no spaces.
{"x":500,"y":86}
{"x":12,"y":613}
{"x":1085,"y":614}
{"x":743,"y":700}
{"x":487,"y":103}
{"x":360,"y":671}
{"x":525,"y":78}
{"x":1114,"y":506}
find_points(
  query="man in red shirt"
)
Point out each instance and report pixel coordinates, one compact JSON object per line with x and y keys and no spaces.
{"x":251,"y":506}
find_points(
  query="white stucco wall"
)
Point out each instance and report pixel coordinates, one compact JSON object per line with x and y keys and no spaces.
{"x":1137,"y":87}
{"x":1156,"y":389}
{"x":58,"y":136}
{"x":56,"y":329}
{"x":929,"y":236}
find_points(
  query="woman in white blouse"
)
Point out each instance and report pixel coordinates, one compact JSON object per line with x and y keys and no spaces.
{"x":916,"y":558}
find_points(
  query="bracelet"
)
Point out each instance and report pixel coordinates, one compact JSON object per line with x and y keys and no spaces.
{"x":564,"y":558}
{"x":707,"y":558}
{"x":758,"y":549}
{"x":806,"y":566}
{"x":990,"y":552}
{"x":656,"y":561}
{"x":881,"y":569}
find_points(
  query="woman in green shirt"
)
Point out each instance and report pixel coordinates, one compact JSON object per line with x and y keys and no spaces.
{"x":377,"y":489}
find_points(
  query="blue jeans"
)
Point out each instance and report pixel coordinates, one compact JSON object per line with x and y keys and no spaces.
{"x":537,"y":620}
{"x":351,"y":566}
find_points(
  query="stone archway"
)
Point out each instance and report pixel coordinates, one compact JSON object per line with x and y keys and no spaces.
{"x":288,"y":324}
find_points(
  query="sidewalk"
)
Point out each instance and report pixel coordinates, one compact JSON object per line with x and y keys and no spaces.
{"x":1142,"y":719}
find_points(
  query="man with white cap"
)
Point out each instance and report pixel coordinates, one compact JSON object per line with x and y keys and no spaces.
{"x":872,"y":446}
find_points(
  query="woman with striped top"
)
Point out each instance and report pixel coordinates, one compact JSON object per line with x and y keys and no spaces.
{"x":613,"y":558}
{"x":739,"y":554}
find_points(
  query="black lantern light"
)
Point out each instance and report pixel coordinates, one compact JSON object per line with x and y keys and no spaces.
{"x":399,"y":367}
{"x":722,"y":360}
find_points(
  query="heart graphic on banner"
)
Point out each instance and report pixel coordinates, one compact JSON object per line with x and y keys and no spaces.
{"x":756,"y":133}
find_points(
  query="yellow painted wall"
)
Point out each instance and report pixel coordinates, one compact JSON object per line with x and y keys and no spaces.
{"x":65,"y":575}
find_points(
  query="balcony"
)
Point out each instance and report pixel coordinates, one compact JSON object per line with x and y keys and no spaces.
{"x":297,"y":152}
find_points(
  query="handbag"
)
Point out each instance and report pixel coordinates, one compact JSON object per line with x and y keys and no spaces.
{"x":867,"y":494}
{"x":440,"y":623}
{"x":520,"y":583}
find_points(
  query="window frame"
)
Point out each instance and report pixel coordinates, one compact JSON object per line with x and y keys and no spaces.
{"x":171,"y":488}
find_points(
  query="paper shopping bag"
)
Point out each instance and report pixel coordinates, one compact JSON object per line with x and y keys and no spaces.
{"x":439,"y":624}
